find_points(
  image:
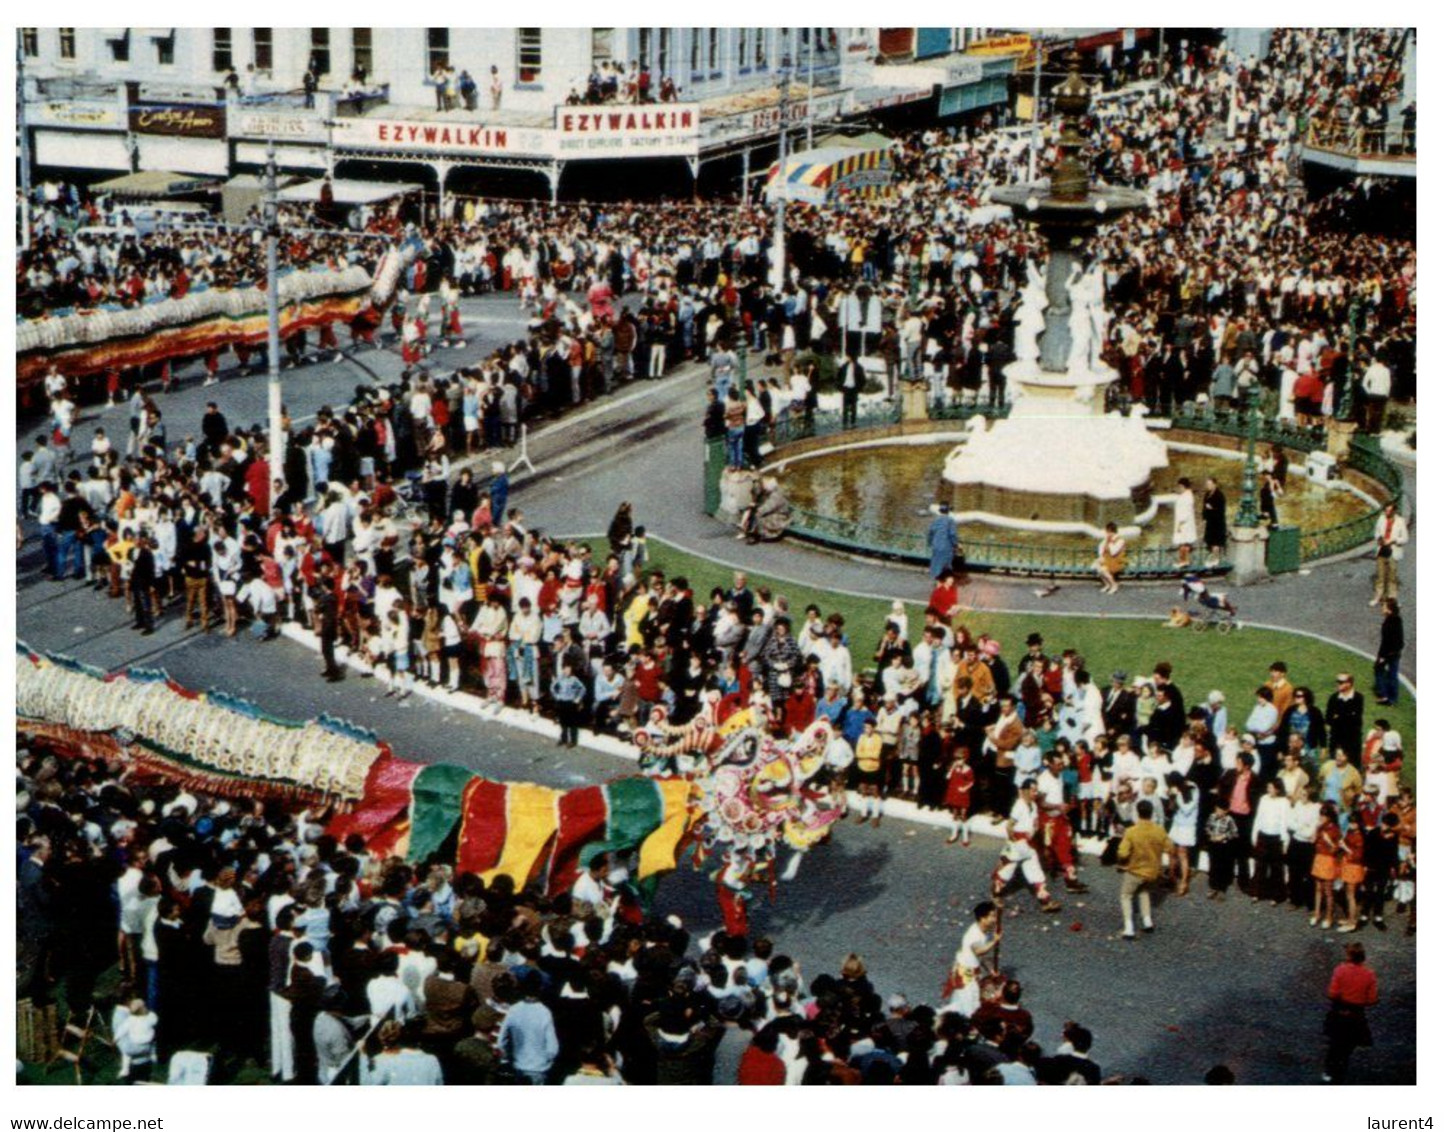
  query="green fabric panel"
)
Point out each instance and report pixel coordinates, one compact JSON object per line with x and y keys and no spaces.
{"x":634,"y":810}
{"x":435,"y":808}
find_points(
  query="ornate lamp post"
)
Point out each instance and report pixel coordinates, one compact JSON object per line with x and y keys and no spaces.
{"x":274,"y":410}
{"x":1344,"y":403}
{"x":1248,"y":541}
{"x":1248,"y":502}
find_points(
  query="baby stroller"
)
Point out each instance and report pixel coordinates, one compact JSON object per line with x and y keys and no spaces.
{"x":1208,"y":610}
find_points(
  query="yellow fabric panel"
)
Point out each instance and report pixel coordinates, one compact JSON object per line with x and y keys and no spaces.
{"x":659,"y":851}
{"x":531,"y":822}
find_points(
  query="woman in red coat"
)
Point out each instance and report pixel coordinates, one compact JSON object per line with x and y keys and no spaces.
{"x":959,"y":795}
{"x":945,"y":601}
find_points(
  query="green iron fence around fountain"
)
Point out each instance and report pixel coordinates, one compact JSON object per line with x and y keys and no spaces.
{"x":947,"y":409}
{"x":791,"y":426}
{"x":994,"y":556}
{"x":1365,"y":457}
{"x":1234,"y":423}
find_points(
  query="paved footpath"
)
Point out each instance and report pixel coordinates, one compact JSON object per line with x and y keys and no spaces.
{"x":1239,"y":983}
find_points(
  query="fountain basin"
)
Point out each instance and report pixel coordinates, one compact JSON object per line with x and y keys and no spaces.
{"x":1065,"y":473}
{"x":874,"y":492}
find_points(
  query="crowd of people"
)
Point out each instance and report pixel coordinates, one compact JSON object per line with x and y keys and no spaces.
{"x":319,"y":960}
{"x":1229,"y":278}
{"x":85,"y":253}
{"x":449,"y":980}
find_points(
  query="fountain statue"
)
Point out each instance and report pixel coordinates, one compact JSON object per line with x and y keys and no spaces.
{"x":1080,"y":323}
{"x":1098,"y":311}
{"x":1029,"y":319}
{"x":1059,"y":461}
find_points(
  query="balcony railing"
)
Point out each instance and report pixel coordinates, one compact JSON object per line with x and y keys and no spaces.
{"x":1383,"y":142}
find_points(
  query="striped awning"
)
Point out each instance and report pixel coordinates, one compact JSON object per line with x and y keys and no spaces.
{"x":818,"y":176}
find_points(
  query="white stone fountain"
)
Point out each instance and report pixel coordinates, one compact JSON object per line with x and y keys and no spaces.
{"x":1060,"y":461}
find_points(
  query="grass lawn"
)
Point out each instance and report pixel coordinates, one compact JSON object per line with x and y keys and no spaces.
{"x":1235,"y":663}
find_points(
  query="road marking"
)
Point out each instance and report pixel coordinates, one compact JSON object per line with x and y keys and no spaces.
{"x":603,"y":406}
{"x":606,"y":406}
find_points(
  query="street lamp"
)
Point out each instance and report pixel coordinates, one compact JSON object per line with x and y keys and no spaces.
{"x":779,"y":232}
{"x":1344,"y":404}
{"x":23,"y":129}
{"x":277,"y":430}
{"x":1248,"y":501}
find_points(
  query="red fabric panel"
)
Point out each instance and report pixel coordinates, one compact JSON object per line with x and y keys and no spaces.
{"x":387,"y":795}
{"x":582,"y":818}
{"x":483,"y":826}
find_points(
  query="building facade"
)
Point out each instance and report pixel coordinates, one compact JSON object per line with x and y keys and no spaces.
{"x":210,"y":101}
{"x":538,"y":67}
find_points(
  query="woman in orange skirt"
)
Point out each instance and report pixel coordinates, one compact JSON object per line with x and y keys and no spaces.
{"x":1351,"y":872}
{"x":1328,"y":841}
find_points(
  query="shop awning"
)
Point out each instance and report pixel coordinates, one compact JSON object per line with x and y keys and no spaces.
{"x":349,"y":192}
{"x":155,"y":184}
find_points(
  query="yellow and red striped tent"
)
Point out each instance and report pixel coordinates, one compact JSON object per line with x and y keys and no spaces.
{"x":821,"y":175}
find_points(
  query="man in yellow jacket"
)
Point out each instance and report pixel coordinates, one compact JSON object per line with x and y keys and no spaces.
{"x":1140,"y":860}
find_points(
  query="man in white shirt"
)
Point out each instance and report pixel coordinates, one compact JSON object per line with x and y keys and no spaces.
{"x":981,"y":939}
{"x":335,"y":526}
{"x":1057,"y":830}
{"x":48,"y":515}
{"x":1377,"y":383}
{"x":1391,"y":533}
{"x":386,"y":992}
{"x":589,"y":892}
{"x":258,"y":595}
{"x":1021,"y":829}
{"x":1270,"y":838}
